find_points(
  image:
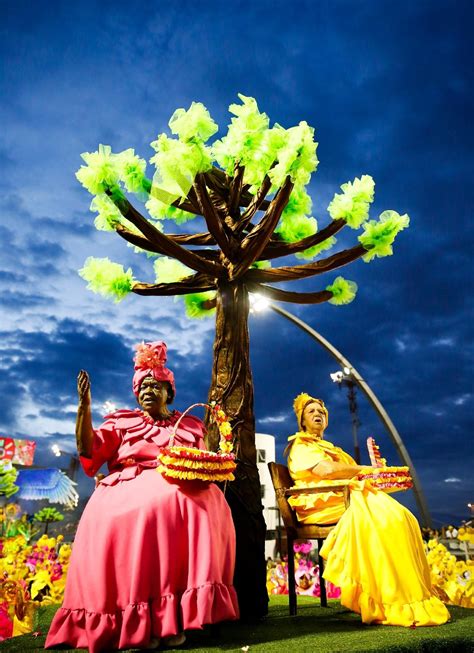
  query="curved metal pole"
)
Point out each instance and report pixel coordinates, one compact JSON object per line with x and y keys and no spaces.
{"x":379,"y":409}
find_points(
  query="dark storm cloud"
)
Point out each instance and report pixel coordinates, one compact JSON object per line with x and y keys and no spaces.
{"x":386,"y":87}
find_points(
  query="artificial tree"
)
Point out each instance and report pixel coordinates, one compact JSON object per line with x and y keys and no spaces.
{"x":250,"y":188}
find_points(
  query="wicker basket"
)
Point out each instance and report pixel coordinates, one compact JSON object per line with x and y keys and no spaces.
{"x":192,"y":464}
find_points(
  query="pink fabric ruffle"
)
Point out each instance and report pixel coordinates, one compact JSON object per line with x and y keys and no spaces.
{"x":135,"y":625}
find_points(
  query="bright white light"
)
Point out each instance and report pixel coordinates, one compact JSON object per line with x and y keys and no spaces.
{"x":337,"y":377}
{"x":109,"y":407}
{"x":56,"y":450}
{"x":258,"y":303}
{"x":347,"y":371}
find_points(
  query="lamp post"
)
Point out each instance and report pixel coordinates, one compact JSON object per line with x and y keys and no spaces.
{"x":346,"y":379}
{"x":261,"y":303}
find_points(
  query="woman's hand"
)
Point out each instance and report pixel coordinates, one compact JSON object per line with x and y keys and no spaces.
{"x":84,"y":431}
{"x":84,"y":388}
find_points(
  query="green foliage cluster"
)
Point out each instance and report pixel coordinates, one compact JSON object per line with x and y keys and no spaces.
{"x":48,"y":515}
{"x":8,"y":476}
{"x":264,"y":151}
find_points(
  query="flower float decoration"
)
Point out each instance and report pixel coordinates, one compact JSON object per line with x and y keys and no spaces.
{"x":306,"y":574}
{"x":452,"y":580}
{"x":31,"y":573}
{"x":190,"y":463}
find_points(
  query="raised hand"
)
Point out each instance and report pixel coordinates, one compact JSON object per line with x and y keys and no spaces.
{"x":84,"y":388}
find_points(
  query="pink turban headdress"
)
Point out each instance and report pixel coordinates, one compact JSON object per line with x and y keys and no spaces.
{"x":150,"y":360}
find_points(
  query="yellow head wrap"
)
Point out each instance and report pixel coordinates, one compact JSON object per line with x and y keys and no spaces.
{"x":300,"y":403}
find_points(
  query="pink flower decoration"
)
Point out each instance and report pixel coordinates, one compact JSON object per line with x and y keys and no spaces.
{"x":150,"y":355}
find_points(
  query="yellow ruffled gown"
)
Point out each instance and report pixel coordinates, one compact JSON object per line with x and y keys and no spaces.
{"x":375,"y":553}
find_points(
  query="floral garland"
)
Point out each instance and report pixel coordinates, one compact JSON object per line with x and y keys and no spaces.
{"x":191,"y":464}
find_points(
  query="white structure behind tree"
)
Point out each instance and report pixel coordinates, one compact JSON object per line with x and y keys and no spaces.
{"x":266,"y":454}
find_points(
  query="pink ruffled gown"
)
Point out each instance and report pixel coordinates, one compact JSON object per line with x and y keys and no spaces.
{"x":151,"y":556}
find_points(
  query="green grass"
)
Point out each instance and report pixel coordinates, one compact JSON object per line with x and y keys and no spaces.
{"x":314,"y":629}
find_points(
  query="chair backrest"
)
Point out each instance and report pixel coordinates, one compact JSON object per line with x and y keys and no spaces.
{"x":282,"y":481}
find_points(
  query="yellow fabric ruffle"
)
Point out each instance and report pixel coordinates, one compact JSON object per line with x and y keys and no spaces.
{"x":375,"y":553}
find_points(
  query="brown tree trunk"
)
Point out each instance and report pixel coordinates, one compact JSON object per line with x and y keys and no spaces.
{"x":232,"y":388}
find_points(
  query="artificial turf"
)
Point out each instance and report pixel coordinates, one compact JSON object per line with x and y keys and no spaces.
{"x":320,"y":630}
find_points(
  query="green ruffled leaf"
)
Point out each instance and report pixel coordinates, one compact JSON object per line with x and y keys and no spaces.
{"x":161,"y":211}
{"x":132,"y":170}
{"x":194,"y":124}
{"x":297,"y":157}
{"x":245,"y":141}
{"x":177,"y":165}
{"x":299,"y":204}
{"x":354,"y":202}
{"x":261,"y":265}
{"x":295,"y":228}
{"x":378,"y":236}
{"x":102,"y":171}
{"x":107,"y":278}
{"x":343,"y":291}
{"x":313,"y":251}
{"x":195,"y":304}
{"x":168,"y":270}
{"x":108,"y":216}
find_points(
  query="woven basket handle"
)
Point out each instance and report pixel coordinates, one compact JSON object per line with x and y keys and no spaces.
{"x":175,"y":427}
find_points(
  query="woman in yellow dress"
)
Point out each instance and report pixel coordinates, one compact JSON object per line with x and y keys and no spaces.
{"x":375,"y":553}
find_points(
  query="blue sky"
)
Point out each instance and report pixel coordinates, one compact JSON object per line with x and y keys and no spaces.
{"x":386,"y":87}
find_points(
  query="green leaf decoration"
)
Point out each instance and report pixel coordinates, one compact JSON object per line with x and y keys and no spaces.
{"x":108,"y":216}
{"x":107,"y":278}
{"x":261,"y":265}
{"x":8,"y":476}
{"x":132,"y":170}
{"x":195,"y":304}
{"x":161,"y":211}
{"x":246,"y":142}
{"x":378,"y":236}
{"x":102,"y":171}
{"x":312,"y":252}
{"x":300,"y":204}
{"x":194,"y":124}
{"x":168,"y":270}
{"x":354,"y":202}
{"x":177,"y":164}
{"x":295,"y":228}
{"x":48,"y":515}
{"x":297,"y":157}
{"x":343,"y":291}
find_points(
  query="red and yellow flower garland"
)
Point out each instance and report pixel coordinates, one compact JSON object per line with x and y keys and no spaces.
{"x":191,"y":464}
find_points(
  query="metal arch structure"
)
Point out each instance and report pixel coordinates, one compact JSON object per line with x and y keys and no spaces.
{"x":379,"y":409}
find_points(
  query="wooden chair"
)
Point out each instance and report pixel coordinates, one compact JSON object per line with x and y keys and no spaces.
{"x":295,"y":530}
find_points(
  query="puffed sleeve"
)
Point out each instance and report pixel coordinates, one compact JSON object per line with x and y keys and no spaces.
{"x":104,"y":446}
{"x":305,"y":455}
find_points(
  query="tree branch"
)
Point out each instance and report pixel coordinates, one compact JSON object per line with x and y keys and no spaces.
{"x":192,"y":284}
{"x":193,"y":239}
{"x":256,"y":241}
{"x":273,"y":250}
{"x":292,"y":297}
{"x":303,"y":271}
{"x":166,"y":245}
{"x":254,"y":205}
{"x":236,"y":191}
{"x":216,"y":226}
{"x":188,"y":205}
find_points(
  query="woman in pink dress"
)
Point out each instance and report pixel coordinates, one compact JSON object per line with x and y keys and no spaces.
{"x":151,"y":557}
